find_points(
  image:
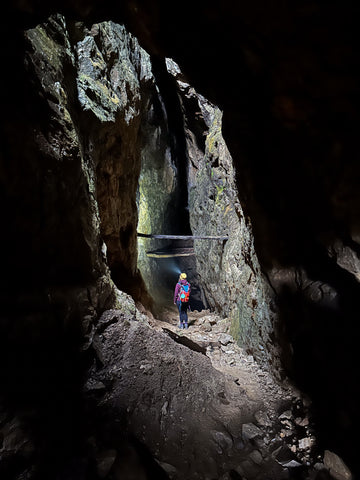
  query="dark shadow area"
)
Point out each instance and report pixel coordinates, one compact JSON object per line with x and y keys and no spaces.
{"x":324,"y":361}
{"x":41,"y":375}
{"x":178,"y":212}
{"x":187,"y":342}
{"x":62,"y":431}
{"x":131,"y":283}
{"x":133,"y":459}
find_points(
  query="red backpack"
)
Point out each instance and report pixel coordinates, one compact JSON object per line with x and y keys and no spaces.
{"x":184,"y":292}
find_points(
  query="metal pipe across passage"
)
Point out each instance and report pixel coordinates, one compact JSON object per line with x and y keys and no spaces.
{"x":184,"y":237}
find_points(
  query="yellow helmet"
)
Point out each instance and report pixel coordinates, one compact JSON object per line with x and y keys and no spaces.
{"x":183,"y":276}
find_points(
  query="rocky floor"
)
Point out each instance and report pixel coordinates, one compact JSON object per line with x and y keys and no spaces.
{"x":163,"y":403}
{"x":282,"y":424}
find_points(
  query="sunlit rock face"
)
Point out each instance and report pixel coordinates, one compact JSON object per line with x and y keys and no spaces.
{"x":113,"y":73}
{"x":59,"y":183}
{"x":56,"y":161}
{"x":94,"y":84}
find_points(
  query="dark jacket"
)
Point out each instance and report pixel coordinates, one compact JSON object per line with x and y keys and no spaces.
{"x":177,"y":289}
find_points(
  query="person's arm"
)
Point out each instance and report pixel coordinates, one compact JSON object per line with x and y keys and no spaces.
{"x":176,"y":292}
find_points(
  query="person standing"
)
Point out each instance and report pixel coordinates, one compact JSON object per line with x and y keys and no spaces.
{"x":181,"y":299}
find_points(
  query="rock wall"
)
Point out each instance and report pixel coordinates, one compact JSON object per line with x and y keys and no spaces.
{"x":229,"y":272}
{"x":62,"y":244}
{"x":113,"y":81}
{"x":94,"y":86}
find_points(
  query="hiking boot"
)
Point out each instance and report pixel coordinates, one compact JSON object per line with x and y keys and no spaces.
{"x":181,"y":326}
{"x":186,"y":325}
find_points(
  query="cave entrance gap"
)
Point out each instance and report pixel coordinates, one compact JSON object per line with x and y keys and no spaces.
{"x":163,"y":269}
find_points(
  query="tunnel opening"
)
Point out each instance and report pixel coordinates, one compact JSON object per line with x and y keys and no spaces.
{"x":161,"y":260}
{"x":168,"y":267}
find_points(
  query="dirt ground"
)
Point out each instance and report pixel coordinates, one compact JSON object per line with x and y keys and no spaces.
{"x":211,"y":334}
{"x":203,"y":407}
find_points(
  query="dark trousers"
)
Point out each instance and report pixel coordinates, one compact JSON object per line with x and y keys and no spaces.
{"x":183,"y":308}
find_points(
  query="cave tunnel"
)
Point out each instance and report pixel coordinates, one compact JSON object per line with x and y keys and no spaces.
{"x":167,"y":258}
{"x":171,"y":259}
{"x":292,"y":128}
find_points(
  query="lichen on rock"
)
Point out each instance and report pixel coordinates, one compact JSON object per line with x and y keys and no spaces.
{"x":111,"y":66}
{"x":92,"y":87}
